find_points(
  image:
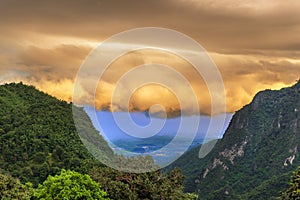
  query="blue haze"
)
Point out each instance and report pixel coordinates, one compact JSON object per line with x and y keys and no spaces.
{"x":123,"y":143}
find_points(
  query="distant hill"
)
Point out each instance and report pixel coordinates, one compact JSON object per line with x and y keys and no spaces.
{"x":38,"y":136}
{"x":256,"y":155}
{"x":164,"y":129}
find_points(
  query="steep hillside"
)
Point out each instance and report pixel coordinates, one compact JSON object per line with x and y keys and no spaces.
{"x":255,"y":157}
{"x":38,"y":136}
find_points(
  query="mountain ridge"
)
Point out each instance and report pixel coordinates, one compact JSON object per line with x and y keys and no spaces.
{"x":259,"y":147}
{"x":34,"y":128}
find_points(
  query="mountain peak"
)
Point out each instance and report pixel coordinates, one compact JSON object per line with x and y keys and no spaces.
{"x":258,"y":150}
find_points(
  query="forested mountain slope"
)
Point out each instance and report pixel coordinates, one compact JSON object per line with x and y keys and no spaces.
{"x":255,"y":157}
{"x":38,"y":136}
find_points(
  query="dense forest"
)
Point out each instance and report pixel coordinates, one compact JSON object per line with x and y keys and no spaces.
{"x":43,"y":157}
{"x":38,"y":136}
{"x":256,"y":155}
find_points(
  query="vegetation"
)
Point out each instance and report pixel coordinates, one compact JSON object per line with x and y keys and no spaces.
{"x":69,"y":185}
{"x":11,"y":188}
{"x":38,"y":136}
{"x":293,"y":191}
{"x":190,"y":165}
{"x":39,"y":144}
{"x":151,"y":185}
{"x":256,"y":155}
{"x":38,"y":139}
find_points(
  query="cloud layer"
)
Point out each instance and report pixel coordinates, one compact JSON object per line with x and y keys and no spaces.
{"x":255,"y":44}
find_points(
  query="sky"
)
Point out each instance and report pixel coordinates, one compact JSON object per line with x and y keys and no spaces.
{"x":255,"y":45}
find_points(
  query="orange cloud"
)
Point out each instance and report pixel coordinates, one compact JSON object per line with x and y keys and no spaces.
{"x":255,"y":45}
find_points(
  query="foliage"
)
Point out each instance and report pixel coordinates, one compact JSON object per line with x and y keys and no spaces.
{"x":11,"y":188}
{"x":190,"y":164}
{"x":137,"y":164}
{"x":190,"y":196}
{"x":293,"y":191}
{"x":269,"y":128}
{"x":69,"y":185}
{"x":38,"y":136}
{"x":151,"y":185}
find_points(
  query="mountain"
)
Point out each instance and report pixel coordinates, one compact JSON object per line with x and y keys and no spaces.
{"x":256,"y":155}
{"x":165,"y":130}
{"x":113,"y":131}
{"x":38,"y":136}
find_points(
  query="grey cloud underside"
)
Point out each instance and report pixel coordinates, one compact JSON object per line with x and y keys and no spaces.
{"x":217,"y":25}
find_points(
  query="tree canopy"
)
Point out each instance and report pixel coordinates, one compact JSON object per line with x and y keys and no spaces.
{"x":38,"y":136}
{"x":151,"y":185}
{"x":69,"y":185}
{"x":293,"y":191}
{"x":38,"y":139}
{"x":12,"y":188}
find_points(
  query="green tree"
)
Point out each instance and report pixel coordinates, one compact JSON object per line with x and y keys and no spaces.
{"x":11,"y":188}
{"x":151,"y":185}
{"x":38,"y":136}
{"x":293,"y":191}
{"x":190,"y":196}
{"x":69,"y":185}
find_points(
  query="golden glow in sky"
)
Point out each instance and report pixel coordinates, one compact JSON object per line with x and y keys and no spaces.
{"x":255,"y":44}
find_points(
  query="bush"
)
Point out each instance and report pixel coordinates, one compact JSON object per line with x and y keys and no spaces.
{"x":293,"y":191}
{"x":11,"y":188}
{"x":69,"y":185}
